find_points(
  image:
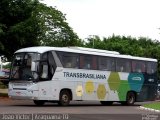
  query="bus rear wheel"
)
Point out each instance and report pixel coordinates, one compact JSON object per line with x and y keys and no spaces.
{"x":106,"y":103}
{"x":39,"y":102}
{"x":130,"y":98}
{"x":65,"y":98}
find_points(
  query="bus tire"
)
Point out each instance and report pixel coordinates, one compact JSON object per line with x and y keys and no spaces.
{"x":39,"y":102}
{"x":106,"y":103}
{"x":64,"y":98}
{"x":130,"y":98}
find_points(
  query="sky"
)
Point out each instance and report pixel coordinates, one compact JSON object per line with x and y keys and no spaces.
{"x":136,"y":18}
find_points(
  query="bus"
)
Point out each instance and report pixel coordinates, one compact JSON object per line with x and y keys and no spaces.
{"x":64,"y":74}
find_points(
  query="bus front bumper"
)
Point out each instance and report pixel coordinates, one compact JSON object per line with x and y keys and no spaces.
{"x":23,"y":94}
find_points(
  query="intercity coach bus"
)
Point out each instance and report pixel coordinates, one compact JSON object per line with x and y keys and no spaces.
{"x":63,"y":74}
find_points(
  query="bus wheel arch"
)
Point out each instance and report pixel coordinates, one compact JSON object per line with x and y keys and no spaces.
{"x":130,"y":98}
{"x":65,"y":96}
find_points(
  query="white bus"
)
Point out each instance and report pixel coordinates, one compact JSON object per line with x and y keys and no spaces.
{"x":62,"y":74}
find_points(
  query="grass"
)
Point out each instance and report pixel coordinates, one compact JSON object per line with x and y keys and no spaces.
{"x":155,"y":105}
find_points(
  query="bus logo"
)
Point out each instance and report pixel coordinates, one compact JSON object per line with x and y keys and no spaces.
{"x":137,"y":78}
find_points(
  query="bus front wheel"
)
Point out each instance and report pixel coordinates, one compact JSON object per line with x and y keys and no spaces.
{"x":65,"y":98}
{"x":39,"y":102}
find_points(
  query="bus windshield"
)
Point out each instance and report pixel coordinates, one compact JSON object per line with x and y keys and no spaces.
{"x":24,"y":66}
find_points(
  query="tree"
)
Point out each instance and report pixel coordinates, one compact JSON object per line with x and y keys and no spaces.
{"x":142,"y":47}
{"x":26,"y":23}
{"x":58,"y":31}
{"x":18,"y":25}
{"x":7,"y":66}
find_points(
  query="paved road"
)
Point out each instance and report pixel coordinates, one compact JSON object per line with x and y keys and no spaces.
{"x":77,"y":110}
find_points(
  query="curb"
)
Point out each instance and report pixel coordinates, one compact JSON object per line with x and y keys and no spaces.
{"x":149,"y":109}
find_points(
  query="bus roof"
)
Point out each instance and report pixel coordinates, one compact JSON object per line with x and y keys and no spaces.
{"x":42,"y":49}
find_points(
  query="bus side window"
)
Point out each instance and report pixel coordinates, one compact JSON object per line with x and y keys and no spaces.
{"x":151,"y":67}
{"x":123,"y":65}
{"x":119,"y":65}
{"x":106,"y":63}
{"x":69,"y":60}
{"x":138,"y":66}
{"x":81,"y":61}
{"x":94,"y":62}
{"x":111,"y":62}
{"x":86,"y":62}
{"x":135,"y":67}
{"x":102,"y":63}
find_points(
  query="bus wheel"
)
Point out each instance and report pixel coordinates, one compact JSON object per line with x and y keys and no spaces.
{"x":39,"y":102}
{"x":106,"y":103}
{"x":65,"y":98}
{"x":130,"y":99}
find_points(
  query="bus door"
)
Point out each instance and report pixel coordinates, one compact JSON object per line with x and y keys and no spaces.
{"x":47,"y":69}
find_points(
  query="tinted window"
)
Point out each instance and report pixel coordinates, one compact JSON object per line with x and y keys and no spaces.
{"x":106,"y":63}
{"x":123,"y":65}
{"x":138,"y":66}
{"x":69,"y":60}
{"x":88,"y":62}
{"x":151,"y":67}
